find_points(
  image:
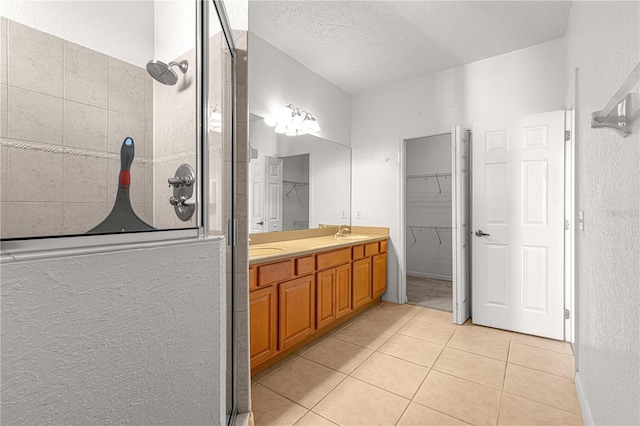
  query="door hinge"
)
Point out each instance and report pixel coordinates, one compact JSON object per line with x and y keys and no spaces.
{"x":567,"y":135}
{"x":566,"y":224}
{"x":567,"y":314}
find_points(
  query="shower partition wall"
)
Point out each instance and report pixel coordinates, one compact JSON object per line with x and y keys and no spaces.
{"x":79,"y":82}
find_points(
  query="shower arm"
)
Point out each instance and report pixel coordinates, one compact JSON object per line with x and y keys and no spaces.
{"x":183,"y":65}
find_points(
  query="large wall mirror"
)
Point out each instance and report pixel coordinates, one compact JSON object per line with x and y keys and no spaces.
{"x":296,"y":182}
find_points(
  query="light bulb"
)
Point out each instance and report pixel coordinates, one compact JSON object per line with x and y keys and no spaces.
{"x":307,"y":124}
{"x":286,"y":114}
{"x":297,"y":121}
{"x":291,"y":131}
{"x":280,"y":128}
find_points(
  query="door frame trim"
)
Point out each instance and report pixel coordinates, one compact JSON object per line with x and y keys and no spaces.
{"x":402,"y":234}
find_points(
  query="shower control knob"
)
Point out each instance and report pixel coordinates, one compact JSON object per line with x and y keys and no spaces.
{"x":179,"y":181}
{"x":177,"y":201}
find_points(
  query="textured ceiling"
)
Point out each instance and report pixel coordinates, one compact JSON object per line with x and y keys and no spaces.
{"x":359,"y":45}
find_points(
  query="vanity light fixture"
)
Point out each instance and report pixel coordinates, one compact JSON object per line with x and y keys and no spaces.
{"x":215,"y":119}
{"x":293,"y":122}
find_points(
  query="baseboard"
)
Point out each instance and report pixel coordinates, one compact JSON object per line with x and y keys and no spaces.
{"x":392,"y":299}
{"x":432,"y":276}
{"x":587,"y":418}
{"x":244,"y":419}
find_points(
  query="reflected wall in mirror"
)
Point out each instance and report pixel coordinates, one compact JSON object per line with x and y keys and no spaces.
{"x":297,"y":182}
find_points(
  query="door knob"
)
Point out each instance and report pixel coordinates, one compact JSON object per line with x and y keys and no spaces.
{"x":479,"y":233}
{"x":260,"y":223}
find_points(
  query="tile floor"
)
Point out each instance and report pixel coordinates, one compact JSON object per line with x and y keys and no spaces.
{"x":407,"y":365}
{"x":429,"y":293}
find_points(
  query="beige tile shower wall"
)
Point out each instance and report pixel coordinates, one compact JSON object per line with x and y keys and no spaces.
{"x":174,"y":115}
{"x":65,"y":111}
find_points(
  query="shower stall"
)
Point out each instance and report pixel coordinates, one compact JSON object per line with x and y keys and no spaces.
{"x":118,"y":129}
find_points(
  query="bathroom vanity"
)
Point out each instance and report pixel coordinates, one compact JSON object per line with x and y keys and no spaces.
{"x":301,"y":288}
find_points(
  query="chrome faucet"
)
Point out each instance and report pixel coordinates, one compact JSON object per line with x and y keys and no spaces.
{"x":341,"y":230}
{"x":322,"y":226}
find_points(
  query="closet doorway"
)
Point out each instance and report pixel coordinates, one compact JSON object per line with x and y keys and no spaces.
{"x":436,"y":190}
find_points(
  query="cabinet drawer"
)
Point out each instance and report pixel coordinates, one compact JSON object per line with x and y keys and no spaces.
{"x":358,"y":252}
{"x":305,"y":265}
{"x":253,"y":278}
{"x":333,"y":258}
{"x":370,"y":249}
{"x":275,"y":272}
{"x":383,"y":246}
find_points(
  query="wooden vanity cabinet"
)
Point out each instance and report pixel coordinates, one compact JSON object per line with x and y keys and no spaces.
{"x":297,"y":313}
{"x":326,"y":283}
{"x":344,"y":303}
{"x":263,"y":309}
{"x":379,"y":274}
{"x":292,"y":299}
{"x":361,"y":282}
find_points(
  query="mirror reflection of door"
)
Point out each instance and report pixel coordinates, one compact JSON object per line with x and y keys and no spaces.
{"x":256,"y":197}
{"x":295,"y":197}
{"x":273,"y":205}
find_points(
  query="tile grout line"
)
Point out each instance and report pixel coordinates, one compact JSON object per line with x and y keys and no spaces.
{"x":542,"y":403}
{"x":504,"y":378}
{"x":425,"y":379}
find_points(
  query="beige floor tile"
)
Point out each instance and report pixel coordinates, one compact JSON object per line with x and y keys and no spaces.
{"x":419,"y":415}
{"x":541,"y":342}
{"x":459,"y":398}
{"x":489,"y":331}
{"x":393,"y":374}
{"x":313,"y":419}
{"x":386,"y":319}
{"x":435,"y":316}
{"x":395,"y":307}
{"x":306,"y":348}
{"x":472,"y":339}
{"x":436,"y":333}
{"x":269,"y":408}
{"x":412,"y":349}
{"x":339,"y":355}
{"x":357,"y":403}
{"x":541,"y":359}
{"x":272,"y":369}
{"x":542,"y":387}
{"x":303,"y":381}
{"x":519,"y":411}
{"x":363,"y":335}
{"x":472,"y":367}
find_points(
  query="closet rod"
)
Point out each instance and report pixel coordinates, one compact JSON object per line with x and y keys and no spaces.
{"x":435,"y":175}
{"x":433,"y":228}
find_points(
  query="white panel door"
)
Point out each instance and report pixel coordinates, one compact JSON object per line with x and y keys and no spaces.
{"x":460,"y":222}
{"x":518,"y":202}
{"x":256,"y":197}
{"x":274,"y":194}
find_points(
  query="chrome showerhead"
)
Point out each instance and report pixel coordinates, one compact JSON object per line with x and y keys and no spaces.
{"x":163,"y":72}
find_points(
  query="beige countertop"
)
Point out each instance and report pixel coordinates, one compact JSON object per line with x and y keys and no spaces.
{"x":267,"y":252}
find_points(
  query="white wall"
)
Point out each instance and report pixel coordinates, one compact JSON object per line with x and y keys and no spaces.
{"x":277,"y":80}
{"x":430,"y":205}
{"x":525,"y":81}
{"x":603,"y":42}
{"x":134,"y":336}
{"x":122,"y":29}
{"x":175,"y":29}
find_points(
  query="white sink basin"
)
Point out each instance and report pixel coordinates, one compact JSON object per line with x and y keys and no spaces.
{"x":264,"y":251}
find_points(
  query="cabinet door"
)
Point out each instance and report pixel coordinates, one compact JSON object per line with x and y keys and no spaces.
{"x":263,"y":309}
{"x":343,"y":290}
{"x":325,"y":297}
{"x":361,"y":282}
{"x":297,"y":310}
{"x":379,"y":274}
